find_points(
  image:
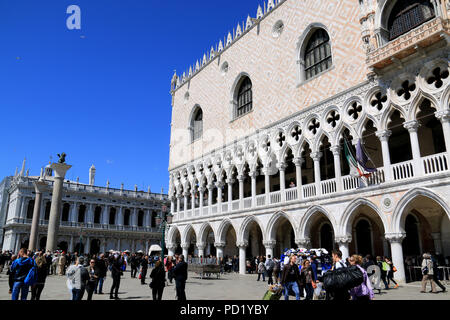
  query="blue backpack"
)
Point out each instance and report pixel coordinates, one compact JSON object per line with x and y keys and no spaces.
{"x":32,"y":276}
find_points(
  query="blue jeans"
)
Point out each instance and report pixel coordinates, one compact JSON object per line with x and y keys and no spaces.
{"x":20,"y":287}
{"x":100,"y":285}
{"x":77,"y":294}
{"x":294,"y":287}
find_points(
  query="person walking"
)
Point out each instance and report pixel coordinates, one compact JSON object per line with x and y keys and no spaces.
{"x":383,"y":269}
{"x":93,"y":278}
{"x":390,"y":272}
{"x":42,"y":272}
{"x":158,"y":276}
{"x":55,"y":260}
{"x":20,"y":268}
{"x":261,"y":269}
{"x":427,"y":272}
{"x":62,"y":264}
{"x":364,"y":290}
{"x":77,"y":278}
{"x":269,"y":269}
{"x":290,"y":278}
{"x":134,"y":265}
{"x":276,"y":270}
{"x":168,"y":265}
{"x":340,"y":294}
{"x":102,"y":267}
{"x":10,"y":273}
{"x":307,"y":279}
{"x":180,"y":274}
{"x":436,"y":273}
{"x":116,"y":273}
{"x":144,"y":269}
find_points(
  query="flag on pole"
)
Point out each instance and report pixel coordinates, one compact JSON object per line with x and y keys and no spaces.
{"x":363,"y":158}
{"x":356,"y":168}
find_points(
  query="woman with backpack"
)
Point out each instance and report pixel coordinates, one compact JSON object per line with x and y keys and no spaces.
{"x":364,"y":290}
{"x":427,"y":272}
{"x":42,"y":271}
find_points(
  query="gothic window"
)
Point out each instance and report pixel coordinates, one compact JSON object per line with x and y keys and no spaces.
{"x":317,"y":54}
{"x":244,"y":98}
{"x":197,"y":124}
{"x":407,"y":15}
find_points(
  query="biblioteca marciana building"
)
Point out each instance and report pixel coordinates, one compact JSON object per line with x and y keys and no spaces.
{"x":104,"y":217}
{"x":257,"y":161}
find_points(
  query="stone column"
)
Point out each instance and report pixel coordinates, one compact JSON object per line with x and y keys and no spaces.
{"x":444,"y":117}
{"x":172,"y":205}
{"x":90,"y":214}
{"x":267,"y":185}
{"x":185,"y":247}
{"x":412,"y":127}
{"x":23,"y":211}
{"x":210,"y":194}
{"x":242,"y":259}
{"x":219,"y":249}
{"x":385,"y":246}
{"x":193,"y":200}
{"x":303,"y":243}
{"x":337,"y":166}
{"x":19,"y":204}
{"x":119,"y":217}
{"x":269,"y":245}
{"x":253,"y":177}
{"x":134,"y":219}
{"x":178,"y":202}
{"x":103,"y":245}
{"x":170,"y":249}
{"x":298,"y":175}
{"x":282,"y":167}
{"x":384,"y":138}
{"x":71,"y":244}
{"x":73,"y":214}
{"x":396,"y":240}
{"x":39,"y":188}
{"x":219,"y":186}
{"x":59,"y":170}
{"x":201,"y":249}
{"x":200,"y":199}
{"x":105,"y":215}
{"x":230,"y":193}
{"x":17,"y":243}
{"x":316,"y":158}
{"x":186,"y":194}
{"x":241,"y":191}
{"x":343,"y":243}
{"x":437,"y":242}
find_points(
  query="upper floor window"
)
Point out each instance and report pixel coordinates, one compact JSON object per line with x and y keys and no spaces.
{"x":197,"y":124}
{"x":407,"y":15}
{"x":244,"y":97}
{"x":317,"y":54}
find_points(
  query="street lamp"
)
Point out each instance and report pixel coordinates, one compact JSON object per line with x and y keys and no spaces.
{"x":164,"y":220}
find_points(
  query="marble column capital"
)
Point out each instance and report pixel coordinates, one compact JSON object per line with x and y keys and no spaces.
{"x":242,"y":244}
{"x":40,"y":186}
{"x":269,"y":243}
{"x":395,"y":237}
{"x":383,"y":135}
{"x":60,"y":169}
{"x":219,"y":244}
{"x":230,"y":181}
{"x":298,"y":161}
{"x":436,"y":235}
{"x":443,"y":115}
{"x":316,"y":156}
{"x":411,"y":126}
{"x":303,"y":242}
{"x":185,"y":246}
{"x":200,"y":245}
{"x":336,"y":150}
{"x":343,"y":240}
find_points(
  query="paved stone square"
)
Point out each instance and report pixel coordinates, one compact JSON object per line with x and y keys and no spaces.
{"x":228,"y":287}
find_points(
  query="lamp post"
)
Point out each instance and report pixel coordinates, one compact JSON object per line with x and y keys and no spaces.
{"x":164,"y":220}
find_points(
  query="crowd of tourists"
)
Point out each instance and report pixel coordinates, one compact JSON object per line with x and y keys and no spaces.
{"x":86,"y":273}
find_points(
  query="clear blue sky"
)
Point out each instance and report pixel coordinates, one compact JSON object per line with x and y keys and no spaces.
{"x":100,"y":94}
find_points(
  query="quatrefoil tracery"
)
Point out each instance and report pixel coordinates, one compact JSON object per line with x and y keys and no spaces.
{"x":378,"y":101}
{"x":314,"y":126}
{"x":406,"y":90}
{"x":438,"y":77}
{"x":333,"y":118}
{"x":354,"y":110}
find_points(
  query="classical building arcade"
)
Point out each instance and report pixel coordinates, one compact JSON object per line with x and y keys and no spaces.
{"x":262,"y":166}
{"x":104,"y":217}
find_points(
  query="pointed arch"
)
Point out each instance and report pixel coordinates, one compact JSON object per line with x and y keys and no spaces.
{"x":188,"y":230}
{"x":388,"y":113}
{"x":305,"y":222}
{"x":222,"y":230}
{"x":398,"y":216}
{"x":171,"y":236}
{"x":243,"y":230}
{"x":273,"y":224}
{"x":417,"y":102}
{"x":202,"y":233}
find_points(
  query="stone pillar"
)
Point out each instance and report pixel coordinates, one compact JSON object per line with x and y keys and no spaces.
{"x":242,"y":259}
{"x":19,"y":204}
{"x":90,"y":214}
{"x":298,"y":175}
{"x":103,"y":245}
{"x":267,"y":185}
{"x":444,"y":117}
{"x":23,"y":211}
{"x":396,"y":240}
{"x":303,"y":243}
{"x":178,"y":203}
{"x":185,"y":247}
{"x":170,"y":249}
{"x":119,"y":217}
{"x":210,"y":194}
{"x":71,"y":244}
{"x":385,"y":246}
{"x":39,"y":188}
{"x":172,"y":205}
{"x":384,"y":138}
{"x":17,"y":243}
{"x":219,"y":249}
{"x":201,"y":249}
{"x":73,"y":214}
{"x":253,"y":177}
{"x":59,"y":170}
{"x":337,"y":167}
{"x":134,"y":219}
{"x":316,"y":158}
{"x":193,"y":199}
{"x":230,"y":193}
{"x":219,"y":186}
{"x":282,"y":167}
{"x":437,"y":242}
{"x":412,"y":127}
{"x":241,"y":191}
{"x":105,"y":215}
{"x":200,"y":199}
{"x":343,"y":243}
{"x":118,"y":244}
{"x":186,"y":194}
{"x":269,"y":245}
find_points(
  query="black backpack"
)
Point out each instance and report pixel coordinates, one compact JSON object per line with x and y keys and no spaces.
{"x":343,"y":278}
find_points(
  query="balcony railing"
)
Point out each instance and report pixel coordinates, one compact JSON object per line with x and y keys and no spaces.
{"x":260,"y":200}
{"x":328,"y":186}
{"x":309,"y":190}
{"x":402,"y":171}
{"x":275,"y":197}
{"x":435,"y":163}
{"x":291,"y":194}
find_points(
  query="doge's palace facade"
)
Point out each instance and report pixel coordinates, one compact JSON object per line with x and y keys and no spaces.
{"x":257,"y":162}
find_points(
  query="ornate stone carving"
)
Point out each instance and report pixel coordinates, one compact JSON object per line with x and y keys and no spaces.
{"x":395,"y":237}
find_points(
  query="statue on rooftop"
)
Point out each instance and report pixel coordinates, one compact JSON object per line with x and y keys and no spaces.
{"x":62,"y":158}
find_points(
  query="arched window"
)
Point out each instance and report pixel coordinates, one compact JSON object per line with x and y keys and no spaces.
{"x":317,"y":54}
{"x":197,"y":124}
{"x":244,"y":97}
{"x":140,"y":218}
{"x":65,"y":212}
{"x":97,"y":214}
{"x":126,"y":217}
{"x":81,"y":213}
{"x":112,"y":216}
{"x":407,"y":15}
{"x":30,"y":209}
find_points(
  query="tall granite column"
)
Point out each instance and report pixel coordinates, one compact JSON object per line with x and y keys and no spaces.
{"x":39,"y":187}
{"x":59,"y":170}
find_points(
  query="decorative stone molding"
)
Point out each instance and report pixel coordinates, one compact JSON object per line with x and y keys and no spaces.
{"x":219,"y":244}
{"x":242,"y":244}
{"x":411,"y":126}
{"x":200,"y":245}
{"x":395,"y":237}
{"x":383,"y":135}
{"x":387,"y":203}
{"x":185,"y":246}
{"x":343,"y":239}
{"x":303,"y":242}
{"x":269,"y":243}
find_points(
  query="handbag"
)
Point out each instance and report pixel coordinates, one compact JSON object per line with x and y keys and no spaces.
{"x":151,"y":284}
{"x":140,"y":276}
{"x":394,"y":269}
{"x":342,"y":278}
{"x":314,"y":285}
